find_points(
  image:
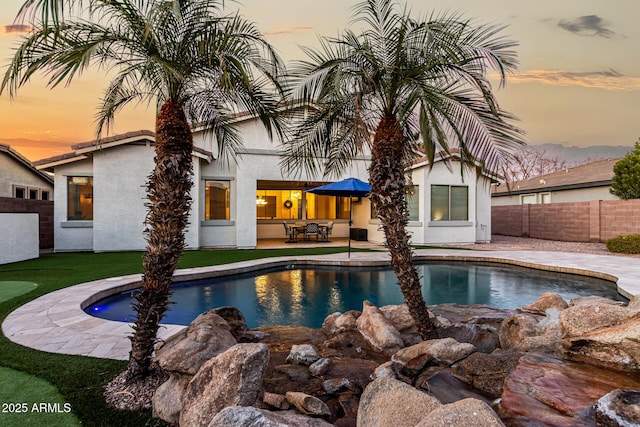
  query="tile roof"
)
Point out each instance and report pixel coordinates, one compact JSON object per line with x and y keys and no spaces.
{"x":595,"y":174}
{"x":83,"y":149}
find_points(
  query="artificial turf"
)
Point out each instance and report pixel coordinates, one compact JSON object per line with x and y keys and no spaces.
{"x":80,"y":380}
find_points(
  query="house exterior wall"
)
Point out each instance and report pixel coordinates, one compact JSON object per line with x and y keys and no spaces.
{"x":119,"y":195}
{"x":20,"y":239}
{"x":424,"y":231}
{"x":70,"y":236}
{"x":564,"y":196}
{"x":594,"y":221}
{"x":13,"y":173}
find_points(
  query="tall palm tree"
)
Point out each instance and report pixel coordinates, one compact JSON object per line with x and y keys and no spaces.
{"x":399,"y":86}
{"x":195,"y":64}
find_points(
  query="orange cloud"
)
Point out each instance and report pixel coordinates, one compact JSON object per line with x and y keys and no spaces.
{"x":607,"y":80}
{"x":16,"y":29}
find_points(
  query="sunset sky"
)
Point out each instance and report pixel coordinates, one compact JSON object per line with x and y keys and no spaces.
{"x":578,"y":81}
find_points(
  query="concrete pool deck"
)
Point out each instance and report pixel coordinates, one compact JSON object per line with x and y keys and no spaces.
{"x":56,"y":322}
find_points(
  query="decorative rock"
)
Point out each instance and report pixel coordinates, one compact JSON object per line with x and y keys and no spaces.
{"x":238,"y":416}
{"x":411,"y":361}
{"x":399,"y":317}
{"x":347,"y":321}
{"x":236,"y":321}
{"x":335,"y":385}
{"x":377,"y":330}
{"x":466,"y":412}
{"x":544,"y":302}
{"x":605,"y":335}
{"x":487,"y":372}
{"x":594,"y":300}
{"x":634,"y":303}
{"x":232,"y":378}
{"x":388,"y":402}
{"x":620,"y":408}
{"x":206,"y":337}
{"x":384,"y":371}
{"x":276,"y":400}
{"x":582,"y":319}
{"x":167,"y":399}
{"x":307,"y":404}
{"x":523,"y":332}
{"x":320,"y":366}
{"x":545,"y":390}
{"x":329,"y":323}
{"x":302,"y":354}
{"x":475,"y":324}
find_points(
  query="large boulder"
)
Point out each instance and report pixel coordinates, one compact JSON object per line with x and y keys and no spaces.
{"x":238,"y":325}
{"x":378,"y":330}
{"x":466,"y":412}
{"x":487,"y":372}
{"x":530,"y":333}
{"x":233,"y":378}
{"x":206,"y":337}
{"x":602,"y":335}
{"x":389,"y":402}
{"x":619,"y":408}
{"x":409,"y":362}
{"x":547,"y":390}
{"x":167,"y":399}
{"x":544,"y":302}
{"x":240,"y":416}
{"x":476,"y":324}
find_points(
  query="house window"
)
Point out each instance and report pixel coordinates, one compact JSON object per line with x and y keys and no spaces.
{"x":217,"y":200}
{"x":449,"y":203}
{"x":413,"y":204}
{"x":545,"y":198}
{"x":20,"y":192}
{"x":288,"y":201}
{"x":33,"y":193}
{"x":44,"y":195}
{"x":528,"y":199}
{"x":79,"y":198}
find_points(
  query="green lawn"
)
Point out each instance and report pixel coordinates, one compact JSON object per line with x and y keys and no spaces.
{"x":80,"y":380}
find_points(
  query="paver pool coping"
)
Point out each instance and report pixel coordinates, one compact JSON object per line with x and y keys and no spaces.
{"x":56,"y":322}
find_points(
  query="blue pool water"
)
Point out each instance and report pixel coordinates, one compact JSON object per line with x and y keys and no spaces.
{"x":305,"y":296}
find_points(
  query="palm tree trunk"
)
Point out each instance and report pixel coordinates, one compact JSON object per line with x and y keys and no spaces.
{"x":167,"y":217}
{"x":386,"y":176}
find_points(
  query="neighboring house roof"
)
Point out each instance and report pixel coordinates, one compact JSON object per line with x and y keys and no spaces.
{"x":84,"y":150}
{"x":596,"y":174}
{"x":25,"y":162}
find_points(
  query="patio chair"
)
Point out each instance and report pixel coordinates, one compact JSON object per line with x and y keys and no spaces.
{"x":290,"y":231}
{"x":325,"y":231}
{"x":310,"y":229}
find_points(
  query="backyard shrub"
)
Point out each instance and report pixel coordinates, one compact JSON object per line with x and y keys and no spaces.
{"x":629,"y":244}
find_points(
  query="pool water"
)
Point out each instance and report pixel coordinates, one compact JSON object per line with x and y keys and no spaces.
{"x":305,"y":296}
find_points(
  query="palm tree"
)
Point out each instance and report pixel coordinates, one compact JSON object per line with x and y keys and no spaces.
{"x":399,"y":87}
{"x":196,"y":65}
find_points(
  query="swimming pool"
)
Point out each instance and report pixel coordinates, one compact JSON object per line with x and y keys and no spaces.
{"x":305,"y":296}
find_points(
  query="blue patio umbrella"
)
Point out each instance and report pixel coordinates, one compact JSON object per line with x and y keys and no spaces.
{"x":349,"y":187}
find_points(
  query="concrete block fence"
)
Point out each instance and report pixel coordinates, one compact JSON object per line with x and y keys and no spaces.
{"x":593,"y":221}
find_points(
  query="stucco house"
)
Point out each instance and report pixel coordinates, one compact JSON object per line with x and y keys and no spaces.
{"x":20,"y":179}
{"x":100,"y":196}
{"x":582,"y":183}
{"x":26,"y":208}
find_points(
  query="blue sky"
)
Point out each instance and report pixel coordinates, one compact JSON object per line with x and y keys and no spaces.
{"x":578,"y":81}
